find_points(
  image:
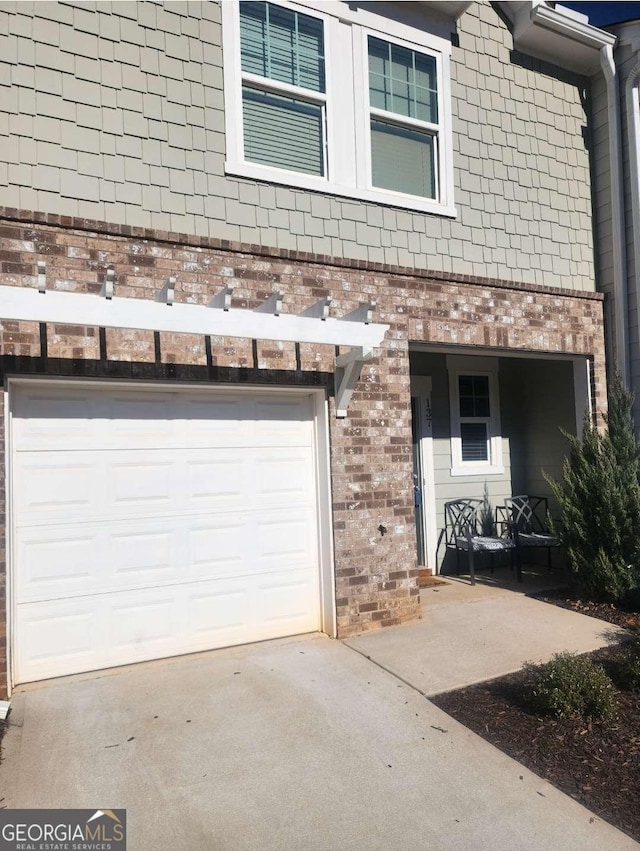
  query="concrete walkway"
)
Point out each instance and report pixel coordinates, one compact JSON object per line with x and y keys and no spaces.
{"x":293,"y":745}
{"x":471,"y":634}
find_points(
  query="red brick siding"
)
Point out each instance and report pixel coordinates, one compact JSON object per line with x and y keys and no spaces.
{"x":371,"y":461}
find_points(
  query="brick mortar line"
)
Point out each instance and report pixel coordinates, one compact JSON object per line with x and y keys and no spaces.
{"x":54,"y":221}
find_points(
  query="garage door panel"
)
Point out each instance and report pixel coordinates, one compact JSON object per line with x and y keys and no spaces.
{"x":142,"y":558}
{"x":229,"y":416}
{"x":70,"y":636}
{"x":59,"y":638}
{"x":289,"y":602}
{"x":97,"y":419}
{"x":283,"y":474}
{"x":61,"y":561}
{"x":142,"y":482}
{"x":215,"y":479}
{"x":219,"y":548}
{"x":279,"y":416}
{"x":277,"y":538}
{"x":151,"y":525}
{"x":218,"y":616}
{"x":137,"y":622}
{"x":44,"y":420}
{"x":47,"y":485}
{"x":139,"y":484}
{"x":57,"y":563}
{"x":53,"y":488}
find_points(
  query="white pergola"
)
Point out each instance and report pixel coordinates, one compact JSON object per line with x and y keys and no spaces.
{"x":355,"y":330}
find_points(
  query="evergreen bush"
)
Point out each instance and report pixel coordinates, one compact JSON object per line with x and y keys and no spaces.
{"x":599,"y":500}
{"x":570,"y":687}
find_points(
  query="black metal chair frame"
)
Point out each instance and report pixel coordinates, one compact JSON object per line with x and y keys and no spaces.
{"x":462,"y":532}
{"x":527,"y":517}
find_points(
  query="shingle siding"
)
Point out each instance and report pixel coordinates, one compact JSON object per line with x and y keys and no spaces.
{"x":125,"y":97}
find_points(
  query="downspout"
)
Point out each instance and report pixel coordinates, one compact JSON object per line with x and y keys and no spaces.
{"x":620,"y":296}
{"x":633,"y":132}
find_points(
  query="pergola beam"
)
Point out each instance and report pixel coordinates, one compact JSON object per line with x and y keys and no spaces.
{"x":109,"y":311}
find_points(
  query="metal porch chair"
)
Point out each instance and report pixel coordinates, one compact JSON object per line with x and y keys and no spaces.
{"x":462,"y":532}
{"x":528,"y":520}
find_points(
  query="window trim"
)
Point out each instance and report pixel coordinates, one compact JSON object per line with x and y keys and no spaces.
{"x":398,"y":120}
{"x":489,"y":367}
{"x":342,"y":103}
{"x":291,"y":91}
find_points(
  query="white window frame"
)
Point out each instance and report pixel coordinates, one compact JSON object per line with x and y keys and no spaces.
{"x":398,"y":120}
{"x":489,"y":367}
{"x":287,"y":90}
{"x":347,"y":109}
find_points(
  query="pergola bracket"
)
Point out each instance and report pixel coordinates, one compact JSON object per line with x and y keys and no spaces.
{"x":348,"y":367}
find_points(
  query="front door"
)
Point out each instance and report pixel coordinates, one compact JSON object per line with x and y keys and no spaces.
{"x":423,"y":472}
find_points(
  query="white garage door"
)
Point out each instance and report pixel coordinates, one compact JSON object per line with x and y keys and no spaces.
{"x":154,"y":523}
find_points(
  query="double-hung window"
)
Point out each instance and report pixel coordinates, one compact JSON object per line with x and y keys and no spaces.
{"x":283,"y":88}
{"x":475,"y":417}
{"x":476,"y":442}
{"x":403,"y":106}
{"x":338,"y":98}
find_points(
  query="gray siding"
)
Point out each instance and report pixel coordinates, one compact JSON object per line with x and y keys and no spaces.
{"x":547,"y":407}
{"x":114,"y":111}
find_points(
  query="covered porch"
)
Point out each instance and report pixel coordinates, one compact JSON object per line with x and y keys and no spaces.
{"x":489,"y":422}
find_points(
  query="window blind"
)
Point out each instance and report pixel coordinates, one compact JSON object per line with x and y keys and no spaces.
{"x":282,"y":45}
{"x":282,"y":132}
{"x":402,"y":160}
{"x":474,"y":442}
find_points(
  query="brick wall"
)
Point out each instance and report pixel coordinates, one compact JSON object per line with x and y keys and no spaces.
{"x":115,"y":111}
{"x":371,"y":462}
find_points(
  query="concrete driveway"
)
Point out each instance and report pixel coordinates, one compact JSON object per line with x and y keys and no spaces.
{"x":296,"y":744}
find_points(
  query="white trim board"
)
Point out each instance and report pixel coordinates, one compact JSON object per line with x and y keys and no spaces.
{"x":421,"y":390}
{"x":28,"y":305}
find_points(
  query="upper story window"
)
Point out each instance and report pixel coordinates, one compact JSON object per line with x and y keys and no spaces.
{"x":403,"y":103}
{"x":340,"y":100}
{"x":283,"y":88}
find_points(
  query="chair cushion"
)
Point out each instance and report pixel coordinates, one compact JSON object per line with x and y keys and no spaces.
{"x":483,"y":543}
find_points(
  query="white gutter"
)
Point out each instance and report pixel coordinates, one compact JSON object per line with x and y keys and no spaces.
{"x":566,"y":23}
{"x":633,"y":131}
{"x":558,"y":35}
{"x":620,"y":295}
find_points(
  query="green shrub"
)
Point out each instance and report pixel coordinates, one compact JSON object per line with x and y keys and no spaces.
{"x":570,"y":687}
{"x":599,"y":500}
{"x":629,"y":667}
